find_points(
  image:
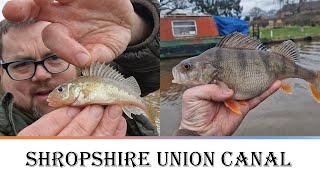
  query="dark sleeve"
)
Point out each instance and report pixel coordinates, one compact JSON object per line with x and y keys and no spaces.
{"x":142,"y":60}
{"x":185,"y":132}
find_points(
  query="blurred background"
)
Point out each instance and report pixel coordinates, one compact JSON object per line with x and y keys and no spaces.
{"x":189,"y":27}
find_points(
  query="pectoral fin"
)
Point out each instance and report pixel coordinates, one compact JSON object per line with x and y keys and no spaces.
{"x":286,"y":87}
{"x":315,"y":92}
{"x":233,"y":105}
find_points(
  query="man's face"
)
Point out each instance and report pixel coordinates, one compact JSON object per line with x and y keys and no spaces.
{"x":31,"y":95}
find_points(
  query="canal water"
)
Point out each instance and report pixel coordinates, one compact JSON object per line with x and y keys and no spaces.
{"x":281,"y":114}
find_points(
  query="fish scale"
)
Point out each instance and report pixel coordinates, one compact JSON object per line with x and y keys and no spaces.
{"x":101,"y":84}
{"x":244,"y":65}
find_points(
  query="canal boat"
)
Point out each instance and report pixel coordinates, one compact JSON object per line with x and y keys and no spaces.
{"x":189,"y":35}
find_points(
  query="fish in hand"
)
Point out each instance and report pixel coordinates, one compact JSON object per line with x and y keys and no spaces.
{"x":103,"y":85}
{"x":243,"y":64}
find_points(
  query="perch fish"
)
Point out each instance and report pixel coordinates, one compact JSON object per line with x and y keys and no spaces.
{"x":101,"y":84}
{"x":244,"y":65}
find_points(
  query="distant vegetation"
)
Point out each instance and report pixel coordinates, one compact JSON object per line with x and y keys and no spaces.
{"x":289,"y":32}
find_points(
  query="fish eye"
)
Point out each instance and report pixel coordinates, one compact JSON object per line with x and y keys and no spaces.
{"x":61,"y":88}
{"x":187,"y":66}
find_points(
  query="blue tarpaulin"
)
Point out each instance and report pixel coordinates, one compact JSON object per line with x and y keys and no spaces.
{"x":227,"y":25}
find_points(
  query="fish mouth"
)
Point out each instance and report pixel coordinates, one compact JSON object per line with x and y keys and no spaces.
{"x":180,"y":78}
{"x":53,"y":102}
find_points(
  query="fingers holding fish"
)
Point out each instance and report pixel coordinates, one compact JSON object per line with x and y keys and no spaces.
{"x":74,"y":121}
{"x":84,"y":123}
{"x":112,"y":123}
{"x":52,"y":123}
{"x":211,"y":92}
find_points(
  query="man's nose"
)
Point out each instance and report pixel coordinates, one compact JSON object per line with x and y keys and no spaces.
{"x":41,"y":74}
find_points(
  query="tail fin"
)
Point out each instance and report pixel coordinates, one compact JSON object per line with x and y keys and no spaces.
{"x":149,"y":111}
{"x":152,"y":114}
{"x":315,"y":88}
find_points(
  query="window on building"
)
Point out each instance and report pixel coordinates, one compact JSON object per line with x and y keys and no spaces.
{"x":184,"y":28}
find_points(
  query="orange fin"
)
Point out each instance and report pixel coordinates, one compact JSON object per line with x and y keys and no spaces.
{"x":286,"y":87}
{"x":315,"y":92}
{"x":233,"y":105}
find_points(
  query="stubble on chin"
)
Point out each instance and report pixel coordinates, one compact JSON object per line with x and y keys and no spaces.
{"x":28,"y":103}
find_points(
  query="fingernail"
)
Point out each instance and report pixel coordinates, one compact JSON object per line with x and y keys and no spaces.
{"x":114,"y":112}
{"x":227,"y":91}
{"x":82,"y":58}
{"x":73,"y":112}
{"x":96,"y":110}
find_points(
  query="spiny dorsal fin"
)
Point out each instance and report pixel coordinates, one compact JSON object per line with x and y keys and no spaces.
{"x":132,"y":82}
{"x":103,"y":70}
{"x":287,"y":49}
{"x":241,"y":41}
{"x":106,"y":71}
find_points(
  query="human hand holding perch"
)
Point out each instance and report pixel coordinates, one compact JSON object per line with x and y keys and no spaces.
{"x":204,"y":112}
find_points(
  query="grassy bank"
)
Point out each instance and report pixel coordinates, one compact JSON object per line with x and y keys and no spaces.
{"x":288,"y":32}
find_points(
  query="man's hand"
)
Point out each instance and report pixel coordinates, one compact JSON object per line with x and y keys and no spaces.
{"x":72,"y":121}
{"x":82,"y":30}
{"x":204,"y":112}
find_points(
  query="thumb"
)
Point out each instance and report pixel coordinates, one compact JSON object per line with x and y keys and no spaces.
{"x":56,"y":35}
{"x":210,"y":92}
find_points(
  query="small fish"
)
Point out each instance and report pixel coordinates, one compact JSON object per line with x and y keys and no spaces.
{"x":244,"y":65}
{"x":101,"y":84}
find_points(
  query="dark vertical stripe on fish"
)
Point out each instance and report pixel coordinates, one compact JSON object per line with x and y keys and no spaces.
{"x":285,"y":66}
{"x":265,"y":58}
{"x":282,"y":66}
{"x":242,"y":58}
{"x":219,"y":57}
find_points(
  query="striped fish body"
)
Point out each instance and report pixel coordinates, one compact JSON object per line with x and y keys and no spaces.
{"x":101,"y":84}
{"x":251,"y":72}
{"x":105,"y":91}
{"x":243,"y":64}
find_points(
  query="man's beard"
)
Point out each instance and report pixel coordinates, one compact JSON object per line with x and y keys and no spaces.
{"x":37,"y":110}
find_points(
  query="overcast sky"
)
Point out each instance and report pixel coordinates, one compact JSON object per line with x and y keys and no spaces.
{"x":266,"y":5}
{"x":2,"y":2}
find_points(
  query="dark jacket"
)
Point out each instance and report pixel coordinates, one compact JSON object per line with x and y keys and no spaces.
{"x":141,"y":61}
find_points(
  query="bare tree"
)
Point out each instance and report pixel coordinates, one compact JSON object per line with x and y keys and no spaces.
{"x":170,"y":6}
{"x":299,"y":5}
{"x":280,"y":3}
{"x":256,"y":12}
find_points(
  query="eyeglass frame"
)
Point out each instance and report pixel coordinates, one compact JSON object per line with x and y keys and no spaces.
{"x":5,"y":66}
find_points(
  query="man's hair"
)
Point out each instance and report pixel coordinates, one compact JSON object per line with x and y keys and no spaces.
{"x":6,"y":25}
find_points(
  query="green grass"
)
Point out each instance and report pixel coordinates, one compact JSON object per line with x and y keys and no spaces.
{"x":289,"y":32}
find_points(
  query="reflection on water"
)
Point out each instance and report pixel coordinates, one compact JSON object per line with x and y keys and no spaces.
{"x":280,"y":114}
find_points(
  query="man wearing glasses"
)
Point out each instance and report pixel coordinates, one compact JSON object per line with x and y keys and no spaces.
{"x":30,"y":71}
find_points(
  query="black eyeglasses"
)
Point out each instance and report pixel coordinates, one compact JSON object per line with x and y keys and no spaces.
{"x":25,"y":69}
